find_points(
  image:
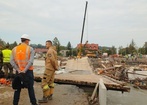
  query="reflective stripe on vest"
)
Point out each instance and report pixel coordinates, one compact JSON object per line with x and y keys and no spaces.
{"x":6,"y":55}
{"x":22,"y":55}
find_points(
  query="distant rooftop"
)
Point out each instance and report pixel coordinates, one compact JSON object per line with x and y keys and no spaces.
{"x":41,"y":50}
{"x":89,"y":46}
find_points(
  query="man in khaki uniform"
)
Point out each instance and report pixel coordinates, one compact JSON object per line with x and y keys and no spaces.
{"x":51,"y":65}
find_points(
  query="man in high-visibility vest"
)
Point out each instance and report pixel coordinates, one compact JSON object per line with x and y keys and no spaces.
{"x":22,"y":60}
{"x":51,"y":65}
{"x":1,"y":62}
{"x":6,"y":61}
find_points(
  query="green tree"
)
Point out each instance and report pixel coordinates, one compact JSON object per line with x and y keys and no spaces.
{"x":63,"y":48}
{"x":69,"y":46}
{"x":74,"y":52}
{"x":145,"y":47}
{"x":141,"y":50}
{"x":40,"y":46}
{"x":57,"y":44}
{"x":104,"y":50}
{"x":113,"y":50}
{"x":13,"y":45}
{"x":34,"y":45}
{"x":69,"y":53}
{"x":109,"y":50}
{"x":120,"y":50}
{"x":127,"y":50}
{"x":2,"y":43}
{"x":132,"y":48}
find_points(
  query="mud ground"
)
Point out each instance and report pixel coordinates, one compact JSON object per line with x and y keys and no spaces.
{"x":63,"y":95}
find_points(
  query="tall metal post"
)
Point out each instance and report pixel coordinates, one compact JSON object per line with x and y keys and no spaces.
{"x":84,"y":22}
{"x":80,"y":48}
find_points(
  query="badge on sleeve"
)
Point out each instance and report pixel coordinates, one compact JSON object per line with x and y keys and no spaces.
{"x":49,"y":55}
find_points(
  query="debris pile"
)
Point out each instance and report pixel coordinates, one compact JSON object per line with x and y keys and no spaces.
{"x":108,"y":68}
{"x":4,"y":81}
{"x":138,"y":76}
{"x":134,"y":72}
{"x":136,"y":62}
{"x":140,"y":83}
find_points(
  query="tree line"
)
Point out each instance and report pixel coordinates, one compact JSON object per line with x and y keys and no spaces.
{"x":70,"y":51}
{"x":130,"y":49}
{"x":133,"y":49}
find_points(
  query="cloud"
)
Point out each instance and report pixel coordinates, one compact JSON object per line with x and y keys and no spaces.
{"x":122,"y":20}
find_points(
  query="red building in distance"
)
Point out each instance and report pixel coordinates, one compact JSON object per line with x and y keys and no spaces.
{"x":93,"y":47}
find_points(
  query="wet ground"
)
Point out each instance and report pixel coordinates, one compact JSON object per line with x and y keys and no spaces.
{"x":134,"y":97}
{"x":63,"y":95}
{"x":74,"y":95}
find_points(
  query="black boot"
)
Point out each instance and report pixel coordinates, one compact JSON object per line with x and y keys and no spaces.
{"x":43,"y":100}
{"x":35,"y":104}
{"x":50,"y":97}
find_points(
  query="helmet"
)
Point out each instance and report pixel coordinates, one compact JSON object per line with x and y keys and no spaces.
{"x":25,"y":36}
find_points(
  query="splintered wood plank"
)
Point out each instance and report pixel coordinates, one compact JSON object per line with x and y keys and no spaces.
{"x":89,"y":80}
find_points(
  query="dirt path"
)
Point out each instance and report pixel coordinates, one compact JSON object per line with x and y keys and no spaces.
{"x":64,"y":95}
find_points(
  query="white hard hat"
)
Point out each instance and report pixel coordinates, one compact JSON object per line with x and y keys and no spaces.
{"x":25,"y":36}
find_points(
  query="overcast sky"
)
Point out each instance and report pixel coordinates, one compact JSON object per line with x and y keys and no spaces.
{"x":108,"y":22}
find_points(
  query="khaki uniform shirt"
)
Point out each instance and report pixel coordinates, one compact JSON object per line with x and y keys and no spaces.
{"x":51,"y":61}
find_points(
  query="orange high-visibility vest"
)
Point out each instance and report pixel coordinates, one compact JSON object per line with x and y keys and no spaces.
{"x":21,"y":55}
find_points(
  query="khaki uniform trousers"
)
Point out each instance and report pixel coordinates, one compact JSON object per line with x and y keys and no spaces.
{"x":48,"y":79}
